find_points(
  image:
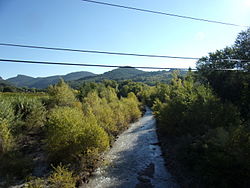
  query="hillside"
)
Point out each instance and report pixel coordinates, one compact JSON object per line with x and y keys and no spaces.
{"x":77,"y":78}
{"x":120,"y":74}
{"x":43,"y":82}
{"x":151,"y":78}
{"x":116,"y":74}
{"x":5,"y":86}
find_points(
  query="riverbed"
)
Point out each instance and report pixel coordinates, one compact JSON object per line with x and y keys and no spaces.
{"x":135,"y":160}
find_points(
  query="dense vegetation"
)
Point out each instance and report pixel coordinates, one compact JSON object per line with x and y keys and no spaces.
{"x":205,"y":117}
{"x":68,"y":129}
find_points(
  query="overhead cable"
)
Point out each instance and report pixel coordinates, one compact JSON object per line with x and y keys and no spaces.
{"x":110,"y":53}
{"x":164,"y":13}
{"x":86,"y":65}
{"x":95,"y":51}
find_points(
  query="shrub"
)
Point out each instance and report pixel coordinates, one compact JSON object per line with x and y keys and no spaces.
{"x":6,"y":138}
{"x":70,"y":134}
{"x":119,"y":116}
{"x":29,"y":111}
{"x":102,"y":112}
{"x":61,"y":95}
{"x":62,"y":178}
{"x":6,"y":110}
{"x":132,"y":107}
{"x":6,"y":120}
{"x":35,"y":183}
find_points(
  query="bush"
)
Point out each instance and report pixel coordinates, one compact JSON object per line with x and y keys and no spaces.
{"x":112,"y":114}
{"x":6,"y":110}
{"x":102,"y":112}
{"x":132,"y":107}
{"x":61,"y":95}
{"x":62,"y":178}
{"x":35,"y":183}
{"x":6,"y":138}
{"x":6,"y":119}
{"x":70,"y":134}
{"x":30,"y":112}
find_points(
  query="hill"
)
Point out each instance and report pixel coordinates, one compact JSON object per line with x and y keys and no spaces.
{"x":6,"y":86}
{"x":116,"y":74}
{"x":44,"y":82}
{"x":77,"y":78}
{"x":120,"y":74}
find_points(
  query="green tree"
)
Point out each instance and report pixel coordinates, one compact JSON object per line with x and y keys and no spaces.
{"x":61,"y":95}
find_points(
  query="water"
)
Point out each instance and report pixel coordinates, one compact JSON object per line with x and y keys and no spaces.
{"x":134,"y":160}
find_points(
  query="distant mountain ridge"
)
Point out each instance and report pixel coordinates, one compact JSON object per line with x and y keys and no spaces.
{"x":116,"y":74}
{"x":44,"y":82}
{"x":120,"y":74}
{"x":75,"y":79}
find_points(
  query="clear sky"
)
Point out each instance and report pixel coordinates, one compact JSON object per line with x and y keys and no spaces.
{"x":81,"y":25}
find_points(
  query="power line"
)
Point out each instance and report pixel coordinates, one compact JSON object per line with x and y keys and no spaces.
{"x":84,"y":65}
{"x":163,"y":13}
{"x":109,"y":53}
{"x":96,"y":51}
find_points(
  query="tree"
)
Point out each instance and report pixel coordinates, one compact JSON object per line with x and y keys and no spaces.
{"x":61,"y":94}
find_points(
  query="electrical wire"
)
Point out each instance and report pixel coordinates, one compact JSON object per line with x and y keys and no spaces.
{"x":85,"y":65}
{"x":109,"y":53}
{"x":95,"y":51}
{"x":164,"y":13}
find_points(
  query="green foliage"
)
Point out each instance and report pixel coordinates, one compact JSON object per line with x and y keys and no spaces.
{"x":88,"y":87}
{"x":225,"y":159}
{"x":61,"y":95}
{"x":6,"y":138}
{"x":35,"y":183}
{"x":75,"y":133}
{"x":204,"y":130}
{"x":112,"y":114}
{"x":128,"y":86}
{"x":102,"y":111}
{"x":6,"y":119}
{"x":132,"y":110}
{"x":29,"y":112}
{"x":70,"y":134}
{"x":217,"y":60}
{"x":6,"y":110}
{"x":220,"y":157}
{"x":230,"y":86}
{"x":62,"y":178}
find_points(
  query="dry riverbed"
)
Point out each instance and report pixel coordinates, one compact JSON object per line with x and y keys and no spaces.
{"x":135,"y":160}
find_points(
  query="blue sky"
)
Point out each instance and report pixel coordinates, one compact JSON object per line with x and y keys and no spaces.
{"x":82,"y":25}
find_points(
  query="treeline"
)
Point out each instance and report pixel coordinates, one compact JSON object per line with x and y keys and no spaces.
{"x":204,"y":119}
{"x":66,"y":130}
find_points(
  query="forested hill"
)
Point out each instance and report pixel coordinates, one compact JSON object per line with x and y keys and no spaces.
{"x":120,"y":74}
{"x":116,"y":74}
{"x":5,"y":86}
{"x":77,"y":78}
{"x":44,"y":82}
